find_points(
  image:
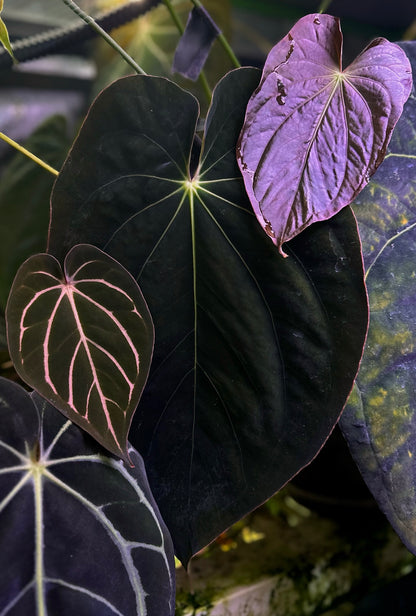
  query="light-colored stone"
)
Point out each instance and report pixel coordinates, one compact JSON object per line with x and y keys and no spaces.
{"x":308,"y":566}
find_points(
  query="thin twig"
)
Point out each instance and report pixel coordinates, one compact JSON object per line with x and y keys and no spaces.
{"x":23,"y":150}
{"x":109,"y":39}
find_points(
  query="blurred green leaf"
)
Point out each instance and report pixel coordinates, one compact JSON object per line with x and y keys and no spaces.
{"x":152,"y":39}
{"x":24,"y":200}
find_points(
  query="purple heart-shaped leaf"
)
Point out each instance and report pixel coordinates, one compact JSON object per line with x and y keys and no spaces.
{"x":82,"y":338}
{"x":313,"y":133}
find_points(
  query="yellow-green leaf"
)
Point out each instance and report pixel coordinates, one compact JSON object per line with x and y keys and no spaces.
{"x":4,"y":36}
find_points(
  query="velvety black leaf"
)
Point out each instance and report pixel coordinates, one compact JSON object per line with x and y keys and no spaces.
{"x":379,"y":420}
{"x":195,"y":44}
{"x":254,"y":354}
{"x":80,"y":532}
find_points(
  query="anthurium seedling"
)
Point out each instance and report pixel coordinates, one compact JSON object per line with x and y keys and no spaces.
{"x":314,"y":133}
{"x":83,"y":338}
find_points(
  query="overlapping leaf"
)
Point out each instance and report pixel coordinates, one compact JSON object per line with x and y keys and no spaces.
{"x":379,"y":421}
{"x":83,"y":338}
{"x":81,"y":533}
{"x":254,"y":354}
{"x":314,"y":134}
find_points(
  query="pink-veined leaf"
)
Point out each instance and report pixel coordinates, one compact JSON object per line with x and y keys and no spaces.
{"x":83,"y":338}
{"x":313,"y":133}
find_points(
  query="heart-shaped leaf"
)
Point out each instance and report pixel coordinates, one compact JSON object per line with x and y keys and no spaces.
{"x":313,"y":133}
{"x":254,"y":354}
{"x":379,"y":420}
{"x":81,"y":533}
{"x":83,"y":338}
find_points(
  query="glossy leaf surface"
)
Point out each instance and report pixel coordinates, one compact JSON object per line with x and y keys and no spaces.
{"x":81,"y":533}
{"x":83,"y":338}
{"x":314,"y":133}
{"x":379,"y":421}
{"x":254,"y":354}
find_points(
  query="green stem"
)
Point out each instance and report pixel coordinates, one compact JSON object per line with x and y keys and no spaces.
{"x":222,"y":40}
{"x":324,"y":5}
{"x":28,"y":154}
{"x":205,"y":86}
{"x":202,"y":77}
{"x":174,"y":15}
{"x":89,"y":20}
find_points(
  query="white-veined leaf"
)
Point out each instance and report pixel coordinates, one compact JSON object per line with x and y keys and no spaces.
{"x":81,"y":532}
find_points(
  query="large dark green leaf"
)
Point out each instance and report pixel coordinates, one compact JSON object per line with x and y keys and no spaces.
{"x":379,"y":421}
{"x":83,"y":338}
{"x":25,"y":189}
{"x":254,"y":354}
{"x":80,"y":532}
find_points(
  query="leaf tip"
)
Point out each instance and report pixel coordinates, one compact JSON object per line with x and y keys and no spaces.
{"x":126,"y":458}
{"x":282,"y":252}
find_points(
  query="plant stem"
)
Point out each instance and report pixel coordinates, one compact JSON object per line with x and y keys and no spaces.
{"x":174,"y":16}
{"x":324,"y":5}
{"x":202,"y":77}
{"x":205,"y":85}
{"x":28,"y":154}
{"x":226,"y":46}
{"x":109,"y":39}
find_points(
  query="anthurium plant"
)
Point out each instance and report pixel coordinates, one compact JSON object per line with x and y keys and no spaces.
{"x":193,"y":330}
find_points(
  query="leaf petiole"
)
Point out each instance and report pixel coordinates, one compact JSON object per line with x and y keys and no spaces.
{"x":324,"y":5}
{"x":30,"y":155}
{"x":109,"y":39}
